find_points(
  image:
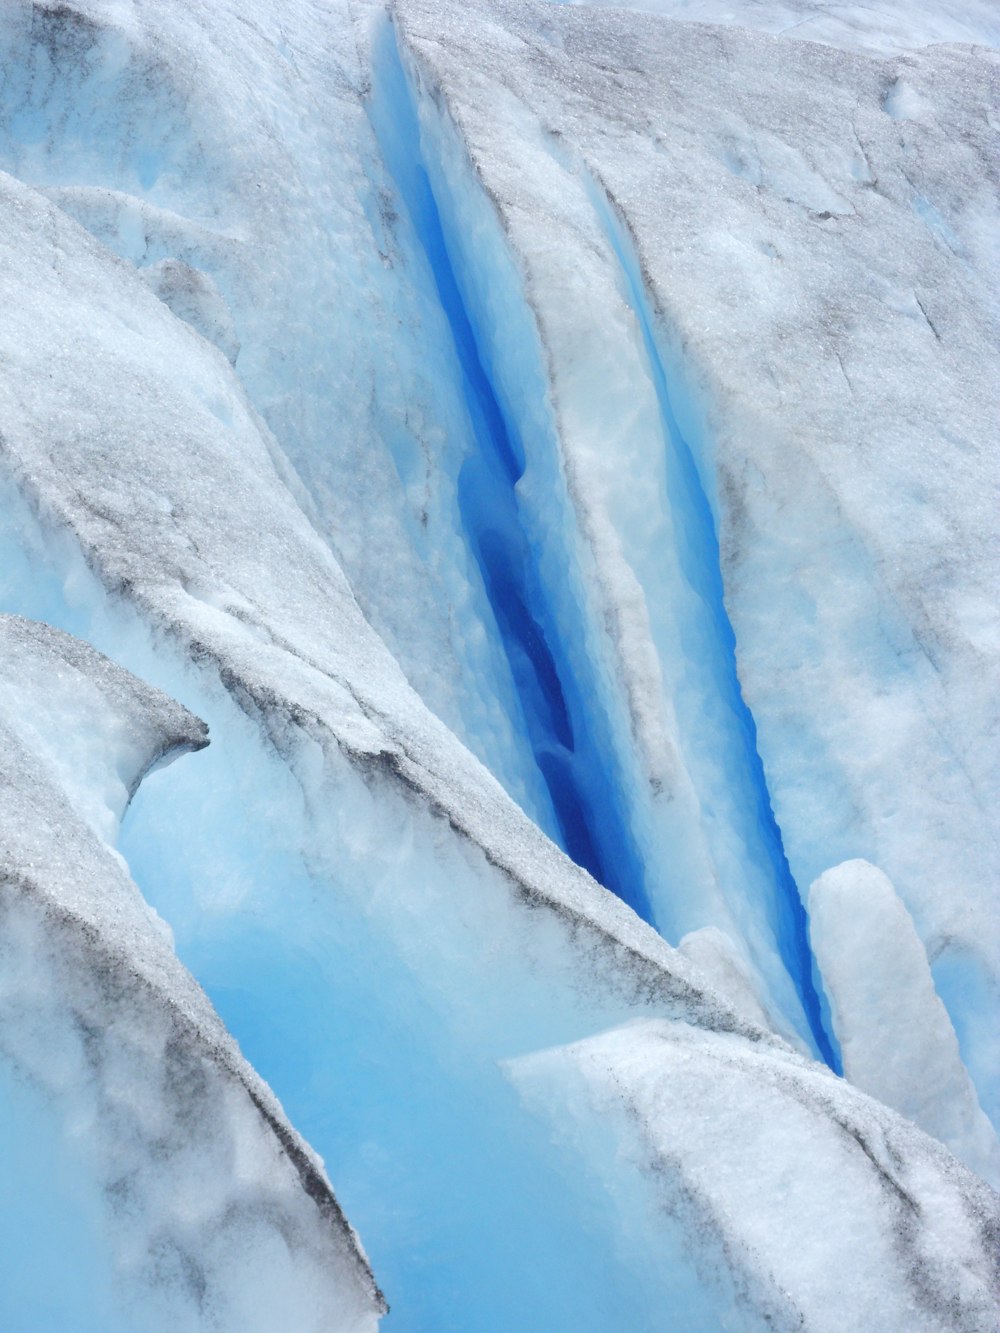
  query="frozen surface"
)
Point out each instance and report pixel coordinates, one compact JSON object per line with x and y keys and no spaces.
{"x":720,"y":959}
{"x":184,"y":511}
{"x":886,"y":28}
{"x":193,"y":296}
{"x":794,"y":265}
{"x":189,"y":1201}
{"x":895,"y":1035}
{"x":416,"y":903}
{"x":226,"y":153}
{"x":508,"y":423}
{"x":788,"y":1177}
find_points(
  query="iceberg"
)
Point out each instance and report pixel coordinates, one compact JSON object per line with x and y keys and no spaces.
{"x":550,"y":448}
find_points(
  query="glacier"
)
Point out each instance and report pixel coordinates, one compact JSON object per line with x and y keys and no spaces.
{"x":533,"y":466}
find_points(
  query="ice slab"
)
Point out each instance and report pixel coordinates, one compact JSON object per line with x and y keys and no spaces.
{"x":810,"y":1205}
{"x":197,"y":1203}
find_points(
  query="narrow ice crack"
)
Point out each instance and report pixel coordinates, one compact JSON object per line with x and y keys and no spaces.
{"x":696,"y":524}
{"x":553,"y":691}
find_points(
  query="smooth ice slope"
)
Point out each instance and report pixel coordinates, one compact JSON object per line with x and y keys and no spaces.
{"x":191,"y":1203}
{"x":897,"y":1041}
{"x":814,"y":237}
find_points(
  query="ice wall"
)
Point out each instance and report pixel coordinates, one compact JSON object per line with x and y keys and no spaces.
{"x":409,"y":432}
{"x":800,"y":254}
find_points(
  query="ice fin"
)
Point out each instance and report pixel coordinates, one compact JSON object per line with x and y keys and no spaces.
{"x":897,"y":1040}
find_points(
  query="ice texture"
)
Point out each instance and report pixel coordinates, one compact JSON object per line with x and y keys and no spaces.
{"x":229,"y":157}
{"x":706,"y":1130}
{"x":895,"y":1036}
{"x":518,"y":430}
{"x":720,"y":959}
{"x":424,"y":888}
{"x":194,"y":297}
{"x":196,"y":1205}
{"x":887,"y":28}
{"x":204,"y":548}
{"x":795,"y":269}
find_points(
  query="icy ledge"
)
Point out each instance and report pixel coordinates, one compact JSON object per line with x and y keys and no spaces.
{"x":183,"y":1199}
{"x":876,"y":1226}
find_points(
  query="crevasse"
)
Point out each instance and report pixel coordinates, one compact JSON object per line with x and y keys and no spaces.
{"x":698,"y":553}
{"x":311,"y":911}
{"x":558,"y":698}
{"x":572,"y":738}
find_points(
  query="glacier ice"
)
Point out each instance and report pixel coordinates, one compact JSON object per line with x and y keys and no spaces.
{"x":887,"y":28}
{"x":397,"y":803}
{"x":707,"y":1128}
{"x":897,"y":1040}
{"x":825,"y":397}
{"x":517,"y":429}
{"x":195,"y":1203}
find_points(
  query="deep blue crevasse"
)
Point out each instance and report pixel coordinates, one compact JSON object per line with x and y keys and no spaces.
{"x":702,"y":567}
{"x":557,"y":704}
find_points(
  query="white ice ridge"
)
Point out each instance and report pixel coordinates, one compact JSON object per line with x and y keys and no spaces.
{"x":895,"y":1036}
{"x":756,"y":279}
{"x":804,"y":1195}
{"x":180,"y":1198}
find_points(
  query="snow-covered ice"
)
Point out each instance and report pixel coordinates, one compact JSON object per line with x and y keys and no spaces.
{"x":423,"y":886}
{"x":812,"y":1206}
{"x":886,"y":28}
